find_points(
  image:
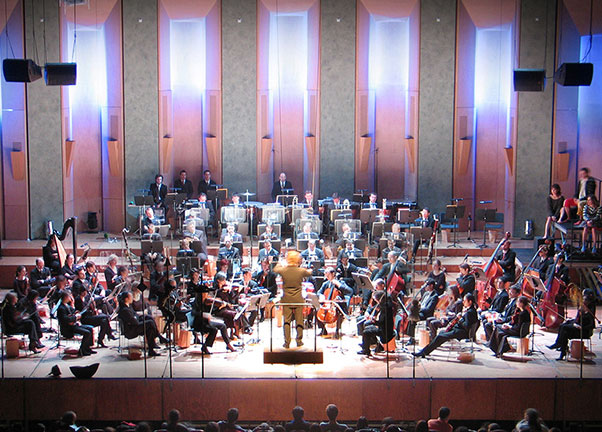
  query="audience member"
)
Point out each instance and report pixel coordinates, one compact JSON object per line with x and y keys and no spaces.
{"x":531,"y":422}
{"x":332,"y":412}
{"x":230,"y":424}
{"x":421,"y":426}
{"x":173,"y":422}
{"x":298,"y":423}
{"x":440,"y":424}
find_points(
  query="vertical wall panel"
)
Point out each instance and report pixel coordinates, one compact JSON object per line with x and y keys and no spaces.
{"x":437,"y":60}
{"x":239,"y":123}
{"x":337,"y":97}
{"x":534,"y":132}
{"x":140,"y":96}
{"x":44,"y":124}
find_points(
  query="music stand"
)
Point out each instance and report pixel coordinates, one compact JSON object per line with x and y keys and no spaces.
{"x":362,"y":281}
{"x":285,"y":200}
{"x":144,"y":200}
{"x":185,"y":264}
{"x":485,"y":215}
{"x":256,"y":303}
{"x":454,"y":212}
{"x":148,"y":246}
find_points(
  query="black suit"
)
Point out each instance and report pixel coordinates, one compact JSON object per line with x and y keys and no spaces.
{"x":569,"y":330}
{"x":204,"y":187}
{"x":519,"y":328}
{"x":383,"y":329}
{"x":263,"y":253}
{"x":466,"y":284}
{"x":458,"y":331}
{"x":277,"y":189}
{"x":267,"y":281}
{"x":133,"y":326}
{"x":40,"y":280}
{"x":507,"y":259}
{"x":69,"y":327}
{"x":159,"y":193}
{"x":316,"y":255}
{"x":427,"y":310}
{"x":184,"y":187}
{"x":346,"y":274}
{"x":504,"y":317}
{"x":101,"y":320}
{"x":14,"y":324}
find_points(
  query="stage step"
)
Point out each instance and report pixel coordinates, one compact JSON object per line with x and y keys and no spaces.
{"x":301,"y":355}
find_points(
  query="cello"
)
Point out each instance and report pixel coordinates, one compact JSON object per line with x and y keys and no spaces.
{"x":492,"y":270}
{"x":328,"y":311}
{"x":547,"y":308}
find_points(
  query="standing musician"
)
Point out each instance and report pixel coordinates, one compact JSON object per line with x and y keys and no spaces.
{"x":280,"y":185}
{"x":149,"y":225}
{"x":466,"y":281}
{"x":69,"y":323}
{"x":21,"y":282}
{"x":292,"y":277}
{"x":518,"y":327}
{"x":269,"y":233}
{"x":228,"y":252}
{"x":183,"y":185}
{"x":505,"y":316}
{"x":428,"y":303}
{"x":40,"y":278}
{"x":350,"y":251}
{"x":206,"y":184}
{"x":390,"y":248}
{"x":458,"y":328}
{"x":267,"y":252}
{"x":266,"y":278}
{"x":14,"y":322}
{"x":133,"y":325}
{"x":85,"y":304}
{"x":560,"y":271}
{"x":344,"y":272}
{"x":424,"y":221}
{"x":582,"y":325}
{"x":507,"y":260}
{"x":453,"y":308}
{"x":159,"y":191}
{"x":312,"y":253}
{"x":437,"y":274}
{"x":372,"y":202}
{"x":68,"y":269}
{"x":381,"y":326}
{"x":307,"y":233}
{"x":326,"y":294}
{"x":542,"y":262}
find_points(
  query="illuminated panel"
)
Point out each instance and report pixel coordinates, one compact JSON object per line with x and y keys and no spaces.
{"x":188,"y":54}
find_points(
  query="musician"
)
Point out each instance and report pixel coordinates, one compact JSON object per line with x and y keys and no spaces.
{"x":225,"y":307}
{"x":159,"y":191}
{"x":372,"y":202}
{"x":344,"y":291}
{"x":228,"y":252}
{"x":378,"y":266}
{"x":586,"y":186}
{"x":395,"y":233}
{"x":85,"y":304}
{"x":68,"y":319}
{"x":453,"y":308}
{"x":555,"y":203}
{"x":80,"y":283}
{"x":542,"y":262}
{"x":427,"y":306}
{"x":28,"y":306}
{"x":424,"y":221}
{"x":506,"y":314}
{"x":134,"y":325}
{"x":40,"y":278}
{"x":592,"y":220}
{"x":13,"y":322}
{"x":157,"y":280}
{"x":206,"y":184}
{"x":307,"y":233}
{"x":459,"y":330}
{"x":346,"y":234}
{"x":183,"y":185}
{"x":292,"y":277}
{"x":92,"y":273}
{"x":560,"y":270}
{"x":187,"y":251}
{"x":438,"y":275}
{"x":21,"y":282}
{"x":395,"y":264}
{"x":170,"y":304}
{"x":368,"y":314}
{"x":517,"y":327}
{"x":381,"y":327}
{"x":345,"y":270}
{"x":191,"y":232}
{"x":249,"y":288}
{"x":68,"y":269}
{"x":51,"y":255}
{"x":266,"y":278}
{"x":111,"y":272}
{"x":312,"y":253}
{"x":499,"y":302}
{"x":269,"y":233}
{"x":204,"y":203}
{"x":350,"y":251}
{"x":507,"y":261}
{"x":582,"y":325}
{"x":390,"y":248}
{"x":310,"y":203}
{"x":466,"y":281}
{"x":235,"y":201}
{"x":280,"y":187}
{"x":231,"y":232}
{"x":149,"y":225}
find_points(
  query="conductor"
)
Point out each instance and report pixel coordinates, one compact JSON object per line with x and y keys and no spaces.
{"x":292,"y":276}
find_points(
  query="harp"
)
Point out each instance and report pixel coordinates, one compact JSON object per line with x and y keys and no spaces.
{"x":70,"y":223}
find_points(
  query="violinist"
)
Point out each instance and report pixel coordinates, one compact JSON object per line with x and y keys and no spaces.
{"x":466,"y":281}
{"x":92,"y":277}
{"x":381,"y":327}
{"x":350,"y":252}
{"x":133,"y":325}
{"x":345,"y":272}
{"x":507,"y":261}
{"x":266,"y":278}
{"x":267,"y":252}
{"x":458,"y":328}
{"x":21,"y":282}
{"x":582,"y":325}
{"x":437,"y":274}
{"x":390,"y":248}
{"x":14,"y":322}
{"x":454,"y":307}
{"x":69,"y":323}
{"x":195,"y":284}
{"x":249,"y":288}
{"x":489,"y":322}
{"x":111,"y":272}
{"x":367,"y":317}
{"x":84,"y":304}
{"x":28,"y":306}
{"x":428,"y":303}
{"x":292,"y":277}
{"x":224,"y":305}
{"x":517,"y":327}
{"x":40,"y":278}
{"x":312,"y":253}
{"x":335,"y":291}
{"x":542,"y":262}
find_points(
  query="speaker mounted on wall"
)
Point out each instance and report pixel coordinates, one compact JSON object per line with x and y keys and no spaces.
{"x":574,"y":74}
{"x":533,"y":80}
{"x":21,"y":70}
{"x":60,"y":73}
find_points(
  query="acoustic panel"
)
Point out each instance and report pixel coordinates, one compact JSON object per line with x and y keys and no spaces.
{"x":212,"y":153}
{"x":463,"y":156}
{"x":115,"y":160}
{"x":562,"y":166}
{"x":266,"y":153}
{"x":364,"y":153}
{"x":310,"y":148}
{"x":69,"y":153}
{"x":17,"y":164}
{"x":410,"y":145}
{"x":166,"y":153}
{"x":509,"y":153}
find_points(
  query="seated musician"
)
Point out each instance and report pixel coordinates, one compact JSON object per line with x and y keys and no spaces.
{"x":170,"y":304}
{"x":424,"y":221}
{"x":582,"y":326}
{"x":372,"y":202}
{"x":92,"y":276}
{"x":453,"y":308}
{"x":226,"y":306}
{"x":390,"y":248}
{"x":377,"y":267}
{"x":592,"y":221}
{"x":428,"y":303}
{"x":40,"y":278}
{"x":183,"y":185}
{"x":138,"y":301}
{"x":269,"y":233}
{"x":268,"y":252}
{"x":134,"y":325}
{"x":158,"y":278}
{"x":507,"y":261}
{"x":310,"y":203}
{"x":350,"y":251}
{"x":345,"y":270}
{"x":542,"y":262}
{"x":381,"y":326}
{"x":14,"y":322}
{"x":80,"y":283}
{"x":85,"y":304}
{"x":498,"y":303}
{"x":69,"y":325}
{"x":195,"y":284}
{"x":111,"y":272}
{"x":21,"y":282}
{"x":68,"y":270}
{"x":517,"y":327}
{"x":159,"y":192}
{"x":231,"y":232}
{"x":466,"y":281}
{"x":149,"y":225}
{"x":586,"y":186}
{"x":236,"y":202}
{"x":228,"y":252}
{"x":248,"y":288}
{"x":491,"y":320}
{"x":368,"y":314}
{"x":281,"y":187}
{"x":312,"y":253}
{"x":460,"y":327}
{"x":438,"y":275}
{"x":307,"y":233}
{"x":266,"y":278}
{"x":346,"y":234}
{"x":28,"y":306}
{"x":395,"y":233}
{"x":190,"y":230}
{"x":51,"y":256}
{"x":204,"y":203}
{"x":555,"y":203}
{"x":187,"y":251}
{"x":326,"y":294}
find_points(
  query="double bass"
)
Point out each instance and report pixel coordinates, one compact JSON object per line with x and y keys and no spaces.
{"x":547,"y":308}
{"x":492,"y":270}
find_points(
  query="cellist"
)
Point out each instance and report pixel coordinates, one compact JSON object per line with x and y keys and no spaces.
{"x":334,"y":290}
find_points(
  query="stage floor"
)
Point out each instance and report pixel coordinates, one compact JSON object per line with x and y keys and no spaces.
{"x":340,"y":361}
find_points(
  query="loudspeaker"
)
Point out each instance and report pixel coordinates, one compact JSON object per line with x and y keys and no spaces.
{"x":574,"y":74}
{"x":60,"y":73}
{"x":21,"y":70}
{"x":529,"y":79}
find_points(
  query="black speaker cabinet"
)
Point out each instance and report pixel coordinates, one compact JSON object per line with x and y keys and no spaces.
{"x":574,"y":74}
{"x":21,"y":70}
{"x":529,"y":80}
{"x":60,"y":73}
